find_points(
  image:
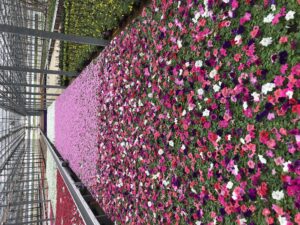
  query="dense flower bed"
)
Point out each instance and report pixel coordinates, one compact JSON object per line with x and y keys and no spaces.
{"x":66,"y":210}
{"x":198,"y":118}
{"x":76,"y":126}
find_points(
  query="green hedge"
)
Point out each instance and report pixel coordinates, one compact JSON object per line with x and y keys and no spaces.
{"x":93,"y":18}
{"x":51,"y":9}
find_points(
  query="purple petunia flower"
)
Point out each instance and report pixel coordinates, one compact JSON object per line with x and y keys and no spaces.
{"x":252,"y":194}
{"x":283,"y":56}
{"x":227,"y":44}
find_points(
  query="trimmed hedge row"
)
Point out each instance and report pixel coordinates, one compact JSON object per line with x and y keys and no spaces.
{"x":90,"y":18}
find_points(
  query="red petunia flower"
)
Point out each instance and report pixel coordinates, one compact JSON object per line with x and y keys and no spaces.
{"x":296,"y":109}
{"x":262,"y":189}
{"x":263,"y":136}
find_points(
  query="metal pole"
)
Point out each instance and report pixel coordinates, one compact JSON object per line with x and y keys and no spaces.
{"x":52,"y":35}
{"x":33,"y":85}
{"x":35,"y":70}
{"x":32,"y":93}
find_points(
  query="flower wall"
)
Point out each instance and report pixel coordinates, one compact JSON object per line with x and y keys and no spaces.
{"x":76,"y":125}
{"x":51,"y":122}
{"x":195,"y":111}
{"x":66,"y":210}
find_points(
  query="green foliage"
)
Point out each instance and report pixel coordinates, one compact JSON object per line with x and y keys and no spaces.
{"x":92,"y":18}
{"x":51,"y":9}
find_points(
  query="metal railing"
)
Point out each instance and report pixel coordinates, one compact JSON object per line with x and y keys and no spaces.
{"x":88,"y":216}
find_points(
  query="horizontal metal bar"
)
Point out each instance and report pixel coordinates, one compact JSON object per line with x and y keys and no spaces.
{"x":31,"y":222}
{"x":33,"y":85}
{"x":32,"y":173}
{"x":32,"y":216}
{"x":38,"y":98}
{"x":22,"y":181}
{"x":35,"y":70}
{"x":32,"y":93}
{"x":24,"y":203}
{"x":52,"y":35}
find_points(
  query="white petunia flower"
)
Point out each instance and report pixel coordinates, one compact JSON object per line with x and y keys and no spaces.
{"x":147,"y":173}
{"x":267,"y":88}
{"x":213,"y":73}
{"x":180,"y":72}
{"x":216,"y":88}
{"x":179,"y":3}
{"x":229,"y":185}
{"x":198,"y":222}
{"x":255,"y":96}
{"x":206,"y":112}
{"x":196,"y":17}
{"x":262,"y":159}
{"x":277,"y":195}
{"x":237,"y":39}
{"x":282,"y":220}
{"x":187,"y":64}
{"x":290,"y":15}
{"x":286,"y":166}
{"x":245,"y":105}
{"x":243,"y":221}
{"x":226,"y":1}
{"x":266,"y":41}
{"x":140,"y":103}
{"x":171,"y":143}
{"x":150,"y":95}
{"x":160,"y":151}
{"x":198,"y":63}
{"x":149,"y":204}
{"x":242,"y":141}
{"x":289,"y":94}
{"x":183,"y":113}
{"x":165,"y":183}
{"x":200,"y":91}
{"x":235,"y":170}
{"x":269,"y":18}
{"x":273,"y":7}
{"x":193,"y":190}
{"x":179,"y":44}
{"x":234,"y":196}
{"x":155,"y":176}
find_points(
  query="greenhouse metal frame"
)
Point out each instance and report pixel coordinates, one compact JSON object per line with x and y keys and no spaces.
{"x":25,"y":47}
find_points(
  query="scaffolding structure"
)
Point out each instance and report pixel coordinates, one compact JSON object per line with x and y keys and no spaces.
{"x":22,"y":186}
{"x":22,"y":96}
{"x":19,"y":51}
{"x":25,"y":48}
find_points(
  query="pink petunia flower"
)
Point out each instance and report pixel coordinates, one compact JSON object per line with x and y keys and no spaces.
{"x":254,"y":32}
{"x":251,"y":164}
{"x":245,"y":18}
{"x":283,"y":39}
